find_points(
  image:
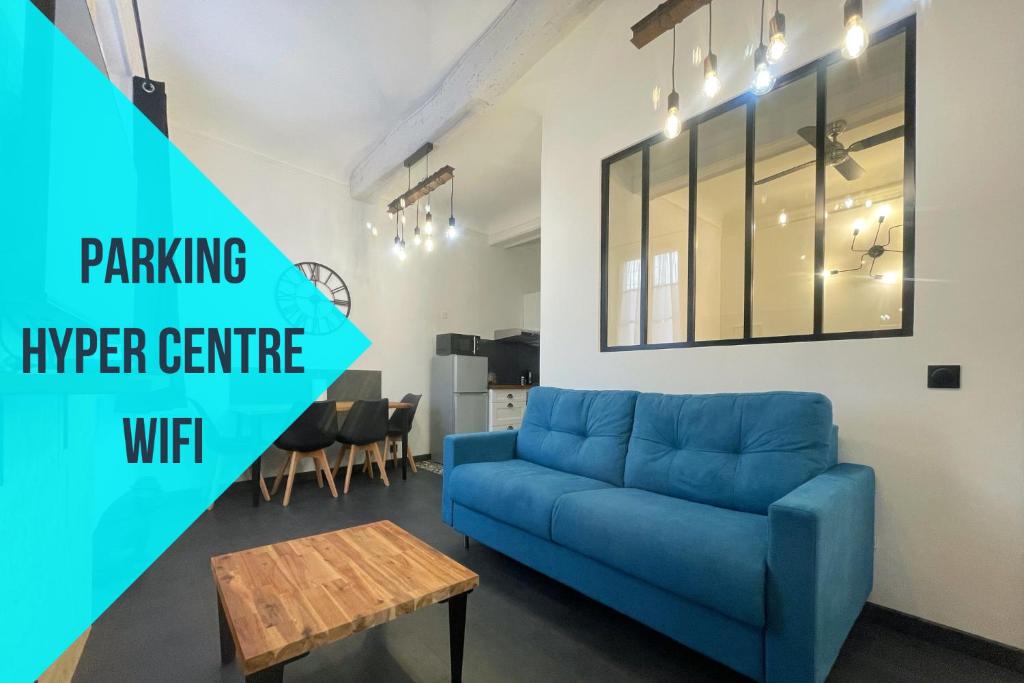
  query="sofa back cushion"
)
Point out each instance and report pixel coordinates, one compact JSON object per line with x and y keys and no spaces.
{"x":579,"y":432}
{"x":737,"y":451}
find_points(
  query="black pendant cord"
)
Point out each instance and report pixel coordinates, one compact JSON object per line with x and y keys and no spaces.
{"x":426,"y":174}
{"x":760,"y":35}
{"x":673,"y":59}
{"x":452,"y":200}
{"x":709,"y":28}
{"x":148,"y":85}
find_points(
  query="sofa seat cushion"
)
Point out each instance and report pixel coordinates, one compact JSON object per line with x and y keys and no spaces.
{"x":715,"y":557}
{"x":516,"y":492}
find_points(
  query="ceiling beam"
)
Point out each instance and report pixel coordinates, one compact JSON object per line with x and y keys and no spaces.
{"x":664,"y":18}
{"x":114,"y":23}
{"x":514,"y":42}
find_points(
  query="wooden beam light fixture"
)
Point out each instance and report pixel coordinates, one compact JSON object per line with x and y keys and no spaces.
{"x":411,"y":198}
{"x":422,"y":189}
{"x":663,"y":19}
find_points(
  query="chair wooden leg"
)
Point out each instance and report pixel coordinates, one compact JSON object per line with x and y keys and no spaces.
{"x":263,"y":489}
{"x":319,"y":476}
{"x":337,"y":463}
{"x":387,"y":446}
{"x":321,"y":460}
{"x":348,"y":469}
{"x":412,"y":460}
{"x":380,"y":463}
{"x":280,"y":474}
{"x":291,"y":479}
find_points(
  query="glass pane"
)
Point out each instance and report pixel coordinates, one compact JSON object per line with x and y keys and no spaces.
{"x":784,"y":193}
{"x":864,"y":191}
{"x":624,"y":215}
{"x":721,"y":216}
{"x":668,"y":230}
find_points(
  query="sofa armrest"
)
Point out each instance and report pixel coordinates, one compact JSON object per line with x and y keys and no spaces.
{"x":460,"y":449}
{"x":820,"y":563}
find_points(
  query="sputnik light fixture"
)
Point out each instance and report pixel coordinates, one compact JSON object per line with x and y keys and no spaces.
{"x":673,"y":124}
{"x":764,"y":79}
{"x":855,"y":36}
{"x":712,"y":84}
{"x":777,"y":45}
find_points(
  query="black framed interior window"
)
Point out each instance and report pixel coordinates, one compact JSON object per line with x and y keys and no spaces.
{"x":785,"y":217}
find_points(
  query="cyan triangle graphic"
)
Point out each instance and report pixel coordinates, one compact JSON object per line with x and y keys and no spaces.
{"x":78,"y":523}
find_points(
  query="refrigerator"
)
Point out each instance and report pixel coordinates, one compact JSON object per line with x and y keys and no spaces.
{"x":458,"y":399}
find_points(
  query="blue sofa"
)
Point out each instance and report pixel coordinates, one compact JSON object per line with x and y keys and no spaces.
{"x":722,"y":521}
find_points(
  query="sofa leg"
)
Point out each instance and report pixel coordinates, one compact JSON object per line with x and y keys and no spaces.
{"x":467,"y":542}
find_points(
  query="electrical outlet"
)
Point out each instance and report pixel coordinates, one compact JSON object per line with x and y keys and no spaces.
{"x":943,"y":376}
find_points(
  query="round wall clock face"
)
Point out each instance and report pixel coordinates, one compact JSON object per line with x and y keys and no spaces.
{"x":313,"y":311}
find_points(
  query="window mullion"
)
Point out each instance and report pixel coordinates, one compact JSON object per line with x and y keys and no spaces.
{"x":645,"y":214}
{"x":691,"y":240}
{"x":819,"y":198}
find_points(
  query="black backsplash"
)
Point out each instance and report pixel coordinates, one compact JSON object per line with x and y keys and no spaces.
{"x":511,"y":360}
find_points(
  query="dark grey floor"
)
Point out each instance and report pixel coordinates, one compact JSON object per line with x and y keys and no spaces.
{"x":521,"y":625}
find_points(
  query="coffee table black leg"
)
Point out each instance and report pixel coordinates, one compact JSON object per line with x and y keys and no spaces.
{"x":257,"y":468}
{"x":274,"y":674}
{"x":227,"y":643}
{"x":405,"y":452}
{"x":457,"y":633}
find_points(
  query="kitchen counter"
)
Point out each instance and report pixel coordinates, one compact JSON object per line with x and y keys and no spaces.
{"x":509,"y":386}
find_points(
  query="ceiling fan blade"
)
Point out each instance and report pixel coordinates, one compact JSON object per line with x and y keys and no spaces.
{"x":780,"y":174}
{"x":808,"y":133}
{"x":850,"y":169}
{"x":880,"y":138}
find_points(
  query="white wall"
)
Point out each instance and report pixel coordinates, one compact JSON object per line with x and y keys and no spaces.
{"x":949,"y":464}
{"x":466,"y":286}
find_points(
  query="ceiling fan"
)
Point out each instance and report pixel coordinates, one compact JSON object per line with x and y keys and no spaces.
{"x":837,"y":155}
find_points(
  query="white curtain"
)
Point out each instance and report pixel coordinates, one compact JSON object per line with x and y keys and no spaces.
{"x":664,"y":301}
{"x":629,"y":308}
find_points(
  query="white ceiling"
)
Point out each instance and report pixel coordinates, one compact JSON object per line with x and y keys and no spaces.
{"x":310,"y":82}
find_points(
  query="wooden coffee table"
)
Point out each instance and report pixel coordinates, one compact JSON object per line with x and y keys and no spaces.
{"x":278,"y":602}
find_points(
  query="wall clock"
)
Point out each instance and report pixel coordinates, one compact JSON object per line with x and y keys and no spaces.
{"x":309,"y":310}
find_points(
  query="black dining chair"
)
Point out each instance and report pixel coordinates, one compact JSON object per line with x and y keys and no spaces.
{"x":307,"y":437}
{"x":364,"y":427}
{"x":399,"y":427}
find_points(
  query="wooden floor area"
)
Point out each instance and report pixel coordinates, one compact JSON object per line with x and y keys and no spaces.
{"x":521,"y":626}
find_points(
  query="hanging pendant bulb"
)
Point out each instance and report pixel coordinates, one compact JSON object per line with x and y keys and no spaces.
{"x":416,"y":239}
{"x":712,"y":84}
{"x":397,"y":246}
{"x":764,"y":79}
{"x":428,"y":227}
{"x":777,"y":45}
{"x":452,"y":232}
{"x":673,"y":124}
{"x":855,"y":36}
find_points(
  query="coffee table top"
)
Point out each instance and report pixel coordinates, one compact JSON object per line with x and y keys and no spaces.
{"x":285,"y":599}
